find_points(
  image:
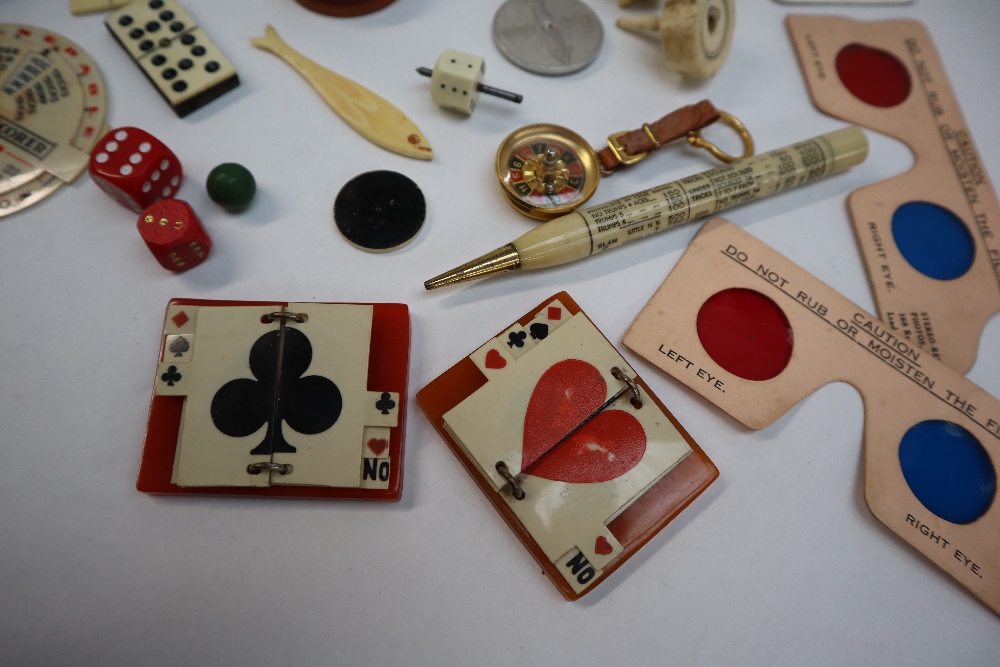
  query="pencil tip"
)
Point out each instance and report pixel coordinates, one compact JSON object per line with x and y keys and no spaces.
{"x":502,"y":259}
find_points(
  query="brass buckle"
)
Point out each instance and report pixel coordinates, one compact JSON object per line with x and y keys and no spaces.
{"x":619,"y":150}
{"x":695,"y":139}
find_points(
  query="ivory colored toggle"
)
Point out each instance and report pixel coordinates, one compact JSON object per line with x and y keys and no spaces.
{"x":371,"y":116}
{"x":695,"y":35}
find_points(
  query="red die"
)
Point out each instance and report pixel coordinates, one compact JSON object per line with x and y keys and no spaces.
{"x":135,"y":168}
{"x":174,"y":235}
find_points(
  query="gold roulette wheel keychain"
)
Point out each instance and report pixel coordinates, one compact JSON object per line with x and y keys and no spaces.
{"x":548,"y":170}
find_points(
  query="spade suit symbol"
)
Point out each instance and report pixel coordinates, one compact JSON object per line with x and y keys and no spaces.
{"x":180,"y":346}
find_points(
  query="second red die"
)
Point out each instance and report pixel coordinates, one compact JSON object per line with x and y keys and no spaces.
{"x":135,"y":168}
{"x":174,"y":234}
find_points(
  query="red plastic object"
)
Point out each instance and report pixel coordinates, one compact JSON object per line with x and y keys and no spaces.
{"x":388,"y":368}
{"x":174,"y":234}
{"x":345,"y":7}
{"x":634,"y":527}
{"x":873,"y":75}
{"x":746,"y":333}
{"x":135,"y":168}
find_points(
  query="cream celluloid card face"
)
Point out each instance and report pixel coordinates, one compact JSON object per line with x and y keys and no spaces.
{"x":754,"y":334}
{"x":544,"y":379}
{"x":276,"y":396}
{"x":930,"y":238}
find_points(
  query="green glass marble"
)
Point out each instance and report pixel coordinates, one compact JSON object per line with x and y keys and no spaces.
{"x":231,"y":186}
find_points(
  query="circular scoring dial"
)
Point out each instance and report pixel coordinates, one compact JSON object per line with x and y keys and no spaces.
{"x":546,"y":170}
{"x":52,"y":110}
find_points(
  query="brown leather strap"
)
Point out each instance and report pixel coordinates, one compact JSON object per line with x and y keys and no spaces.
{"x":674,"y":125}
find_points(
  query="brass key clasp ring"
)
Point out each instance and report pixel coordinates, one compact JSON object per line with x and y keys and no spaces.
{"x":695,"y":139}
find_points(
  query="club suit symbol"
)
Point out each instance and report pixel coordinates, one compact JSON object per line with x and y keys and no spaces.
{"x":309,"y":405}
{"x":385,"y":403}
{"x":516,"y":339}
{"x":171,"y":377}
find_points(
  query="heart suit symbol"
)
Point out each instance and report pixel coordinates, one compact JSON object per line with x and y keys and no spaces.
{"x":494,"y":360}
{"x":602,"y":546}
{"x":606,"y":447}
{"x":377,"y":445}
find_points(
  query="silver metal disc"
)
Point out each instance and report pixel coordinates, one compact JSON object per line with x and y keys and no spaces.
{"x":548,"y":36}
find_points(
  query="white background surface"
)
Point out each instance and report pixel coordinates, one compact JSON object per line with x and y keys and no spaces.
{"x":779,"y":562}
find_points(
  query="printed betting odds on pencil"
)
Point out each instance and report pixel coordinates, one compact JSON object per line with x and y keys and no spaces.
{"x":591,"y":230}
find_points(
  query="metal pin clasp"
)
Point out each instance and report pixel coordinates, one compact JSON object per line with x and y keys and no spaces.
{"x":505,"y":472}
{"x":258,"y":468}
{"x":284,"y":315}
{"x":695,"y":139}
{"x":630,"y":385}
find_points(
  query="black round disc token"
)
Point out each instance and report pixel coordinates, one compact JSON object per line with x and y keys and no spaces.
{"x":379,"y":211}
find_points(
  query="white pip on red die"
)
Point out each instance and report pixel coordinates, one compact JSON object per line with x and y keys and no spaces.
{"x":135,"y":168}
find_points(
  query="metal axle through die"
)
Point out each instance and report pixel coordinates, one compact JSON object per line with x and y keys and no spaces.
{"x":456,"y":81}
